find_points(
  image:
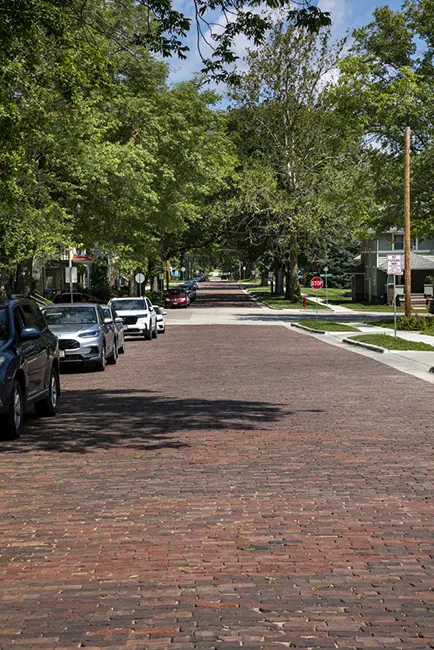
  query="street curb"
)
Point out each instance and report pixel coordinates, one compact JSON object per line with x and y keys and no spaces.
{"x":368,"y":346}
{"x":307,"y":329}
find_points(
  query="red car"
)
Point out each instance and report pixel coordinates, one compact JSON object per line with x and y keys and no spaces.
{"x":177,"y":298}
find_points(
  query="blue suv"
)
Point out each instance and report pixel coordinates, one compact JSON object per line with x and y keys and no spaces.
{"x":29,"y":365}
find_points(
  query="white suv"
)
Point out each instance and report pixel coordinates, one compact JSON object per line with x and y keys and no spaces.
{"x":138,"y":315}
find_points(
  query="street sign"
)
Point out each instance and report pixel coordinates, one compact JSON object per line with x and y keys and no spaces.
{"x":326,"y":275}
{"x":316,"y":283}
{"x":325,"y":269}
{"x":139,"y":278}
{"x":394,"y":265}
{"x":183,"y":268}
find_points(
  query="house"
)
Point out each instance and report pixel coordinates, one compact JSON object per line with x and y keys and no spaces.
{"x":370,"y":280}
{"x":55,"y":276}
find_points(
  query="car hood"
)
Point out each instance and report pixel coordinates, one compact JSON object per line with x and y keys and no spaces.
{"x":132,"y":312}
{"x":64,"y":331}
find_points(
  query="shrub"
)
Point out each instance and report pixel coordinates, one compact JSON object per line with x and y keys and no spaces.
{"x":414,"y":323}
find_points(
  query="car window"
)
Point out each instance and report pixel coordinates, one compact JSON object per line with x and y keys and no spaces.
{"x":114,"y":312}
{"x":62,"y":315}
{"x":18,"y":321}
{"x":101,"y":314}
{"x":106,"y":311}
{"x":29,"y":316}
{"x":132,"y":304}
{"x":4,"y":324}
{"x":38,"y":315}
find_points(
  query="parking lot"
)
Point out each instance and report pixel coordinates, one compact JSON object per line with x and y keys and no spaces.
{"x":222,"y":487}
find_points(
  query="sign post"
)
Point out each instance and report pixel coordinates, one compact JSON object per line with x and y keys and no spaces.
{"x":316,"y":283}
{"x":394,"y":267}
{"x":139,"y":278}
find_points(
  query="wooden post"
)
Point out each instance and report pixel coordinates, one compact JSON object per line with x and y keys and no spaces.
{"x":71,"y":286}
{"x":407,"y":244}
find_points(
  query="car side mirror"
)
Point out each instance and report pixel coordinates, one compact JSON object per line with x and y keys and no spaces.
{"x":30,"y":333}
{"x":118,"y":320}
{"x":108,"y":321}
{"x":164,"y":312}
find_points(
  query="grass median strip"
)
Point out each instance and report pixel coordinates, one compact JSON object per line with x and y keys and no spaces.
{"x":327,"y":326}
{"x":392,"y":343}
{"x":279,"y":302}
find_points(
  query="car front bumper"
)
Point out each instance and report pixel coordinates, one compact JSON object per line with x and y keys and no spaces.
{"x":138,"y":328}
{"x":85,"y":349}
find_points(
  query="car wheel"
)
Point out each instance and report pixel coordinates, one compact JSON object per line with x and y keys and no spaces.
{"x":121,"y":350}
{"x":47,"y":407}
{"x":148,"y":335}
{"x":154,"y":332}
{"x":113,"y":358}
{"x":101,"y":363}
{"x":163,"y":330}
{"x":13,"y":421}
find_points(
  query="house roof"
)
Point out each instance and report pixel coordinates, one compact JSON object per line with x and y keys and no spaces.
{"x":417,"y":263}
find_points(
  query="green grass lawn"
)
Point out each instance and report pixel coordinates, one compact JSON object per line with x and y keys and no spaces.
{"x":392,"y":343}
{"x":327,"y":326}
{"x":279,"y":302}
{"x":343,"y":298}
{"x":389,"y":325}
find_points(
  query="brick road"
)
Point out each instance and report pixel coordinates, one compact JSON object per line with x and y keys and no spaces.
{"x":223,"y":487}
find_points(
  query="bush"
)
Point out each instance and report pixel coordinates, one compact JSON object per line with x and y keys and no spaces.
{"x":415,"y":323}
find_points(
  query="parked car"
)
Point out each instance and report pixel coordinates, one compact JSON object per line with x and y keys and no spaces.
{"x":29,"y":365}
{"x":118,"y":326}
{"x":76,"y":297}
{"x":161,"y":323}
{"x":177,"y":298}
{"x":190,"y":289}
{"x":84,"y":334}
{"x":138,"y":315}
{"x":195,"y":283}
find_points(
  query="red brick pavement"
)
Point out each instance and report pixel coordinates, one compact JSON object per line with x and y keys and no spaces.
{"x":223,"y":487}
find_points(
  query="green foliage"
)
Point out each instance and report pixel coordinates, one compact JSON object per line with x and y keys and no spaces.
{"x":99,"y":279}
{"x":415,"y":323}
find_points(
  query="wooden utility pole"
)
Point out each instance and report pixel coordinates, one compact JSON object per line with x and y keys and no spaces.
{"x":71,"y":286}
{"x":407,"y":244}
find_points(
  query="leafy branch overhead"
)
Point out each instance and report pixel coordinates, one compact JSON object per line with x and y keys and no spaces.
{"x":159,"y":26}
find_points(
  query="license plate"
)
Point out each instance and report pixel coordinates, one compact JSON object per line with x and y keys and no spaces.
{"x":61,"y":353}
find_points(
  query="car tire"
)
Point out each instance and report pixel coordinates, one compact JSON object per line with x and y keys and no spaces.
{"x":154,"y":332}
{"x":121,"y":350}
{"x":102,"y":361}
{"x":163,"y":331}
{"x":13,"y":420}
{"x":148,"y":335}
{"x":47,"y":407}
{"x":113,"y":358}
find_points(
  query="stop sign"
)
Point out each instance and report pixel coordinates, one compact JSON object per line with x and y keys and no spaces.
{"x":316,"y":283}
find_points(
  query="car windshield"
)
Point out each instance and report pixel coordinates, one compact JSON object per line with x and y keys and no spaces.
{"x":4,"y":326}
{"x":71,"y":316}
{"x":176,"y":292}
{"x":134,"y":304}
{"x":107,"y":313}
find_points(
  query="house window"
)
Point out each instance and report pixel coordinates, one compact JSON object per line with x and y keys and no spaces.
{"x":412,"y":243}
{"x":398,"y":242}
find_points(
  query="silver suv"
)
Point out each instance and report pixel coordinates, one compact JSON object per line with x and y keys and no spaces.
{"x":83,"y":332}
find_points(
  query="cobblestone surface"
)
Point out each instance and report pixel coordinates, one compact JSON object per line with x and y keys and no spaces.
{"x":223,"y":487}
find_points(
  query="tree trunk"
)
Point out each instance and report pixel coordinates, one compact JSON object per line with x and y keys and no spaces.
{"x":154,"y":285}
{"x":279,"y":283}
{"x":264,"y":279}
{"x":131,"y":285}
{"x":292,"y":291}
{"x":23,"y":283}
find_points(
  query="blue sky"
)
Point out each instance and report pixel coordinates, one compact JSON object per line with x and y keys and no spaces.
{"x":346,"y":15}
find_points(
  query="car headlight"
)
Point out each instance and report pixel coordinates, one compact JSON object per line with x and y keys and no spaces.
{"x":89,"y":334}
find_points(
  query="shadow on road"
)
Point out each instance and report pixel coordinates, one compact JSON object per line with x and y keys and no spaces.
{"x":139,"y":419}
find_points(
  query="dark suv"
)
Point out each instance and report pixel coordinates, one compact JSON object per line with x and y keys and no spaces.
{"x":29,"y":365}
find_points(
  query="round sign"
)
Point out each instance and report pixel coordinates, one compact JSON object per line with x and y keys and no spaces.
{"x":316,"y":283}
{"x":326,"y":268}
{"x":183,"y":268}
{"x":140,"y":278}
